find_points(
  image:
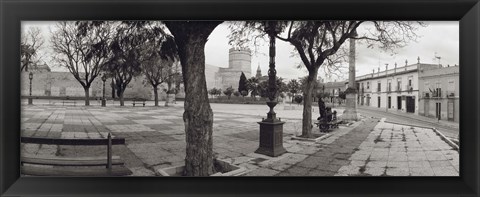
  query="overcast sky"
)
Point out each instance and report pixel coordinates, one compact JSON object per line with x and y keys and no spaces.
{"x":438,"y":38}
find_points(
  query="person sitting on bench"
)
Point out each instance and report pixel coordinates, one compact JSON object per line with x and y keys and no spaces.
{"x":328,"y":114}
{"x":321,"y":109}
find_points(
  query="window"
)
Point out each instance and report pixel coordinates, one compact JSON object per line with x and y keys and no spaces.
{"x":389,"y":88}
{"x":379,"y":88}
{"x":399,"y":84}
{"x":438,"y":89}
{"x":368,"y":85}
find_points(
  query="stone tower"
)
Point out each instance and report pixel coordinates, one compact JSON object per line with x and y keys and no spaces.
{"x":240,"y":59}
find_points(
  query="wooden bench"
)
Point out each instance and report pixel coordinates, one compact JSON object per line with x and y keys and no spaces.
{"x":138,"y":101}
{"x":82,"y":166}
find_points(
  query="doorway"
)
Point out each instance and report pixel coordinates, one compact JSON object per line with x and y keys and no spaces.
{"x":399,"y":102}
{"x":438,"y":111}
{"x":410,"y":103}
{"x":389,"y":102}
{"x":450,"y":109}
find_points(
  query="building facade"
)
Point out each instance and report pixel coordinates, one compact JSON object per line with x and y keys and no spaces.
{"x":392,"y":89}
{"x":440,"y":96}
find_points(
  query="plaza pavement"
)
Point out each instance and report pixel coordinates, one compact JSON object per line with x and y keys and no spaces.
{"x":155,"y":139}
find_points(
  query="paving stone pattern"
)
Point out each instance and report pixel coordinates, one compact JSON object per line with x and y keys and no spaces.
{"x":155,"y":139}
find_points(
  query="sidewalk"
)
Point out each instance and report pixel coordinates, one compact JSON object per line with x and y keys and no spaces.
{"x":450,"y":124}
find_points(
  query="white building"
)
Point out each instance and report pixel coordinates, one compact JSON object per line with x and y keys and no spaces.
{"x":395,"y":88}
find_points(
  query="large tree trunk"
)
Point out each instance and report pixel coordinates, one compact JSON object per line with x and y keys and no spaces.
{"x":87,"y":96}
{"x":307,"y":104}
{"x":155,"y":92}
{"x":191,"y":38}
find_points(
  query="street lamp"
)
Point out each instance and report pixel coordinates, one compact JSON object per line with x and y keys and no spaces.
{"x":104,"y":102}
{"x":30,"y":76}
{"x":271,"y":129}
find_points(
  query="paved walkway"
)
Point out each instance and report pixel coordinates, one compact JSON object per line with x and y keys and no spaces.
{"x":155,"y":139}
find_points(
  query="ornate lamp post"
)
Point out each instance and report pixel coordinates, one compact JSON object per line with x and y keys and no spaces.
{"x":30,"y":101}
{"x":271,"y":129}
{"x":104,"y":102}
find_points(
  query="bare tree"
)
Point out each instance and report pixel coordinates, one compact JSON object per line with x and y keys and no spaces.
{"x":191,"y":37}
{"x":83,"y":53}
{"x":317,"y":43}
{"x":30,"y":44}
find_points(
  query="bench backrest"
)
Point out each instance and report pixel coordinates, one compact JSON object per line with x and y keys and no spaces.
{"x":58,"y":141}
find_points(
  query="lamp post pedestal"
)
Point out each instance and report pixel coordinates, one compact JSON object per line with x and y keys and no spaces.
{"x":271,"y":134}
{"x":104,"y":102}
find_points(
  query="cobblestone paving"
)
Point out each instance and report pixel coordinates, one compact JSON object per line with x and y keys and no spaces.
{"x":398,"y":150}
{"x":154,"y":135}
{"x":155,"y":139}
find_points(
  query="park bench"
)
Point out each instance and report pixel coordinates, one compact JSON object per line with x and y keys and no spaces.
{"x":142,"y":101}
{"x":81,"y":166}
{"x":324,"y":126}
{"x":328,"y":120}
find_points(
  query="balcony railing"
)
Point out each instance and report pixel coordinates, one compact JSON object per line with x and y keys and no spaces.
{"x":437,"y":94}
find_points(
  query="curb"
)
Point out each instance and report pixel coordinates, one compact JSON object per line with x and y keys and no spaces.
{"x":449,"y":142}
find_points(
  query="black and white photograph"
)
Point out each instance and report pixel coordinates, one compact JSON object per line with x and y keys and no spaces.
{"x":240,"y":98}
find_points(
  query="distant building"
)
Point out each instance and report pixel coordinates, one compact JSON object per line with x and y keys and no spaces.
{"x":239,"y":60}
{"x":440,"y":96}
{"x":395,"y":88}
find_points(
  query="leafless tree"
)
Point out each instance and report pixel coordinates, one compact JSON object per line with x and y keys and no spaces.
{"x":30,"y":44}
{"x":83,"y":53}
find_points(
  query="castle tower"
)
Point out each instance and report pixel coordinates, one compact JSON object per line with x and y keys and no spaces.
{"x":240,"y":59}
{"x":259,"y":72}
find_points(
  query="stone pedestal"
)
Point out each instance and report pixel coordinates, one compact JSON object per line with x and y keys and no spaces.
{"x":30,"y":101}
{"x":350,"y":112}
{"x":271,"y":139}
{"x":104,"y":102}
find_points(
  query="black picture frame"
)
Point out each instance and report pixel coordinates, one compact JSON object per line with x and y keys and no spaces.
{"x":465,"y":11}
